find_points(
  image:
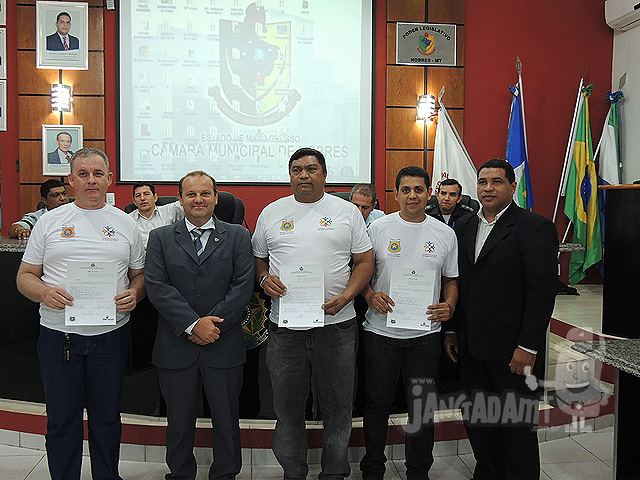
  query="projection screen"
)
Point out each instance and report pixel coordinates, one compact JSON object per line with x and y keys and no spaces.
{"x":234,"y":87}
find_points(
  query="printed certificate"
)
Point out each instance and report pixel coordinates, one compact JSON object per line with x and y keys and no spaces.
{"x":93,"y":286}
{"x":412,"y":290}
{"x":301,"y":306}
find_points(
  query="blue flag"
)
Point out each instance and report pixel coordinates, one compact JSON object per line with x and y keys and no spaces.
{"x":517,"y":152}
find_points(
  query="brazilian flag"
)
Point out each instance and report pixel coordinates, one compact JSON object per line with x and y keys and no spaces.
{"x":581,"y":204}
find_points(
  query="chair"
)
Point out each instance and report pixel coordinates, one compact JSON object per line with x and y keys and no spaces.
{"x":229,"y":209}
{"x":466,"y":200}
{"x":42,"y":205}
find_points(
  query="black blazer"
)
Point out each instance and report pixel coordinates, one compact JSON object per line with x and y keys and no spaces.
{"x":507,"y":295}
{"x":184,"y":287}
{"x":55,"y":43}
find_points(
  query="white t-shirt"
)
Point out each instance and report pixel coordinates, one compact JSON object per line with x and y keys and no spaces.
{"x":70,"y":233}
{"x":429,"y":244}
{"x":162,"y":215}
{"x":325,"y":233}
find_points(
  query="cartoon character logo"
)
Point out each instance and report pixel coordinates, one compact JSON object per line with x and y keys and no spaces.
{"x":429,"y":247}
{"x":394,"y":246}
{"x":325,"y":221}
{"x":68,"y":232}
{"x":426,"y":45}
{"x":287,"y":225}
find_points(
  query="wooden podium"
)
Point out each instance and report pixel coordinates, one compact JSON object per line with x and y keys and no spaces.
{"x":621,"y":293}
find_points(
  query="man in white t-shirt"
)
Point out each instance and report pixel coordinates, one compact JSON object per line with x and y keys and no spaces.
{"x":82,"y":360}
{"x":408,"y":239}
{"x":148,"y":215}
{"x":311,"y":228}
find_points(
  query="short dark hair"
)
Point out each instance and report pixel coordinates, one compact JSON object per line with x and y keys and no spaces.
{"x":365,"y":189}
{"x":452,"y":181}
{"x":303,"y":152}
{"x":196,"y":173}
{"x":63,"y":133}
{"x":413,"y":172}
{"x":144,"y":184}
{"x":46,"y":186}
{"x":62,"y":14}
{"x":500,"y":163}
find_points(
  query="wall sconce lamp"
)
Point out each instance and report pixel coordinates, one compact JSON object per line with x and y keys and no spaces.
{"x":426,"y":108}
{"x":61,"y":97}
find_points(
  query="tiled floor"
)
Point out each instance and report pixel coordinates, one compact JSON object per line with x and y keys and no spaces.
{"x":584,"y":456}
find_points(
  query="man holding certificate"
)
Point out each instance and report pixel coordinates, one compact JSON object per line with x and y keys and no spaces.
{"x":302,"y":246}
{"x":84,"y":263}
{"x":415,"y":258}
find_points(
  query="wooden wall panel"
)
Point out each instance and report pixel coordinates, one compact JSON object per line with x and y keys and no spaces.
{"x":88,"y":111}
{"x":397,"y":160}
{"x":460,"y":46}
{"x":26,"y":31}
{"x":31,"y":162}
{"x":392,"y":204}
{"x":445,"y":11}
{"x":404,"y":84}
{"x":452,"y":79}
{"x":32,"y":80}
{"x":391,"y":42}
{"x":96,"y":28}
{"x":87,"y":82}
{"x":406,"y":10}
{"x":403,"y":132}
{"x":35,"y":112}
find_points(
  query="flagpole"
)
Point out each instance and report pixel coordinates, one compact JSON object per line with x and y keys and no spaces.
{"x":524,"y":124}
{"x":569,"y":150}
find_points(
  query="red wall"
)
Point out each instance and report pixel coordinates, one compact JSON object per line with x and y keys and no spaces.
{"x":554,"y":44}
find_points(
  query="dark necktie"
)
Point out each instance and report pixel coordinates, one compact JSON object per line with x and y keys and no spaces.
{"x":64,"y":43}
{"x":197,"y":233}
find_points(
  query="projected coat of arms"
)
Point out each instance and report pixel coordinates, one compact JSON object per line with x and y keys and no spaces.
{"x":255,"y":69}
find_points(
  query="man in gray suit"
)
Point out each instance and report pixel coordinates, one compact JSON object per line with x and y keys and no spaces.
{"x":200,"y":276}
{"x":62,"y":154}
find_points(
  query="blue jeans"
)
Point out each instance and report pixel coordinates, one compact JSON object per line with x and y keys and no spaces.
{"x":330,"y":353}
{"x":91,"y":378}
{"x":417,"y":360}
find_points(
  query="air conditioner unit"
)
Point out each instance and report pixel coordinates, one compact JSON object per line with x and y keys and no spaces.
{"x":622,"y":14}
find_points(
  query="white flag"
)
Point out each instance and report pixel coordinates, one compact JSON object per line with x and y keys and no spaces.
{"x":450,"y":157}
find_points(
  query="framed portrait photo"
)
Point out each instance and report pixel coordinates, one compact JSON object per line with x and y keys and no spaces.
{"x":3,"y":53}
{"x":59,"y":142}
{"x":3,"y":12}
{"x":3,"y":105}
{"x":62,"y":34}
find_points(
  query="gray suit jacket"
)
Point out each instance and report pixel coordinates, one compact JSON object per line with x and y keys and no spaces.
{"x":54,"y":157}
{"x":184,"y":287}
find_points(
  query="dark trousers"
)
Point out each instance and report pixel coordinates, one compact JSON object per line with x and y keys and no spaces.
{"x":91,"y":378}
{"x":181,"y":389}
{"x":386,"y":358}
{"x":503,"y":451}
{"x":292,"y":355}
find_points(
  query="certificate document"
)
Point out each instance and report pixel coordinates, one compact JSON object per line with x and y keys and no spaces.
{"x":301,"y":306}
{"x":412,"y":290}
{"x":93,"y":287}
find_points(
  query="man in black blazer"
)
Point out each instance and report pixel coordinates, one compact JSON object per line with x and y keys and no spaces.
{"x":508,"y":273}
{"x":200,"y":273}
{"x":56,"y":41}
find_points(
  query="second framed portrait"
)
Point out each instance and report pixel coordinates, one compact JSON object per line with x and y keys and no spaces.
{"x":62,"y":34}
{"x":59,"y":143}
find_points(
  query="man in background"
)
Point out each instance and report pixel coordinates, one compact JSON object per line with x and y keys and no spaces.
{"x":62,"y":154}
{"x":449,"y":209}
{"x":199,"y":276}
{"x":363,"y":196}
{"x":61,"y":39}
{"x":148,"y":215}
{"x":54,"y":194}
{"x":82,"y":362}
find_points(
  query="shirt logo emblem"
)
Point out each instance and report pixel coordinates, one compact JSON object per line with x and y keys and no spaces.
{"x":108,"y":231}
{"x":286,"y":225}
{"x":68,"y":232}
{"x":429,"y":247}
{"x":325,"y":221}
{"x":394,"y":246}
